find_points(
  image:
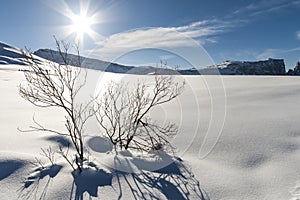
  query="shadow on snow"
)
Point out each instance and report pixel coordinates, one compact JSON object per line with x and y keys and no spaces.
{"x":8,"y":167}
{"x":173,"y":181}
{"x":32,"y":184}
{"x":88,"y":181}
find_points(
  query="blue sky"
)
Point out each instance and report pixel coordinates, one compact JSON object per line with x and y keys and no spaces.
{"x":227,"y":30}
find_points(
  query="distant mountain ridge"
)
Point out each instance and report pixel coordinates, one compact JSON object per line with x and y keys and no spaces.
{"x":12,"y":55}
{"x":96,"y":64}
{"x":265,"y":67}
{"x":90,"y":63}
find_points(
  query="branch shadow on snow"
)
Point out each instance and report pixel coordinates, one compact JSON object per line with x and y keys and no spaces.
{"x":60,"y":140}
{"x":100,"y":144}
{"x":173,"y":181}
{"x":37,"y":183}
{"x":156,"y":176}
{"x":88,"y":181}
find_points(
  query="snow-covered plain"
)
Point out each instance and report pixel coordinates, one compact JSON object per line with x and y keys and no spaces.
{"x":257,"y":155}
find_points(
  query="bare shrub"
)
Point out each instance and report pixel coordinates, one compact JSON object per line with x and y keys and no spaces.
{"x":49,"y":153}
{"x":123,"y":113}
{"x":57,"y":85}
{"x":38,"y":163}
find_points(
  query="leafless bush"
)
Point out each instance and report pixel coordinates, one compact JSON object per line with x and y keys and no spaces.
{"x":57,"y":85}
{"x":123,"y":113}
{"x":38,"y":163}
{"x":49,"y":153}
{"x":65,"y":155}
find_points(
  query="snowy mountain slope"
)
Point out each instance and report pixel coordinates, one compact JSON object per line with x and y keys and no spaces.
{"x":85,"y":62}
{"x":12,"y":55}
{"x":102,"y":65}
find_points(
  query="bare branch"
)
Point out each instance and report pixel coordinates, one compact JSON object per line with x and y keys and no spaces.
{"x":57,"y":85}
{"x":123,"y":113}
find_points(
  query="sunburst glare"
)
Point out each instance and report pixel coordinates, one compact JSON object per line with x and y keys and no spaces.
{"x":82,"y":22}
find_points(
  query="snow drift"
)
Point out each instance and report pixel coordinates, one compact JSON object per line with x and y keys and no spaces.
{"x":256,"y":157}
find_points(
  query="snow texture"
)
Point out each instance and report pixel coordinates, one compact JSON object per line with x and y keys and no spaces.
{"x":257,"y":155}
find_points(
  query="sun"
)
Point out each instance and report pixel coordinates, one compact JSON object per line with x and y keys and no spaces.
{"x":81,"y":24}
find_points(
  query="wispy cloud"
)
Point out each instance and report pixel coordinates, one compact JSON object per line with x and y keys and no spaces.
{"x":200,"y":32}
{"x":265,"y":7}
{"x":272,"y":53}
{"x":268,"y":53}
{"x":202,"y":29}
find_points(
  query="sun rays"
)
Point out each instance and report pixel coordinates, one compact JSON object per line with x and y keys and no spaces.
{"x":82,"y":22}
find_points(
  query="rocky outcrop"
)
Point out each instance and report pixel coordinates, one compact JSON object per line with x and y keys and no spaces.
{"x":265,"y":67}
{"x":290,"y":72}
{"x":297,"y":69}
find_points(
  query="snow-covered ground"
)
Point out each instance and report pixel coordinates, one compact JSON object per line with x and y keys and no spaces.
{"x":257,"y":155}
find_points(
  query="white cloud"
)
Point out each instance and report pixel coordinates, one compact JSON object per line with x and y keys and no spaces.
{"x":199,"y":32}
{"x":202,"y":28}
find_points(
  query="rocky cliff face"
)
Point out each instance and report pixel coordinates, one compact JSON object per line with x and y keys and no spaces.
{"x":265,"y":67}
{"x":297,"y":69}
